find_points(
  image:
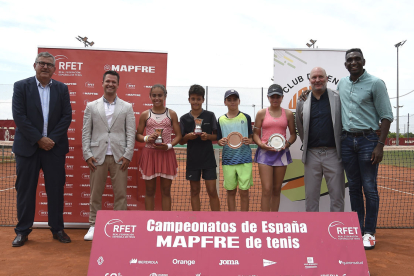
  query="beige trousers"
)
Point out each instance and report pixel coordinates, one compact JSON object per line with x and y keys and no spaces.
{"x":98,"y":182}
{"x":324,"y":163}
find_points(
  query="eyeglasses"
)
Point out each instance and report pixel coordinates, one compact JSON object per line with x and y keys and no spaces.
{"x":42,"y":64}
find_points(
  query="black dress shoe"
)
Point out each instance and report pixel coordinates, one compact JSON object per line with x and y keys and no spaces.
{"x":62,"y":237}
{"x":19,"y":240}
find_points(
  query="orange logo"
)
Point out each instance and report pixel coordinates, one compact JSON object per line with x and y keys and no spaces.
{"x":292,"y":103}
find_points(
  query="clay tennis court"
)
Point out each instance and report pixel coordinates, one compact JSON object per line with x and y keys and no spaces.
{"x":42,"y":255}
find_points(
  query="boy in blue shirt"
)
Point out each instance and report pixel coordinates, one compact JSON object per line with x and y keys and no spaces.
{"x":237,"y":163}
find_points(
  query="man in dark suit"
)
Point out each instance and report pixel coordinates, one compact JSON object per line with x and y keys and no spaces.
{"x":42,"y":113}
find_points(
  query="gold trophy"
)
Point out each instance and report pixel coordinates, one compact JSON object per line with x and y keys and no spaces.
{"x":198,"y":123}
{"x":159,"y":138}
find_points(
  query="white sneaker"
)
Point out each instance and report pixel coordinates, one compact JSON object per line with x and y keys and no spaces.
{"x":89,"y":235}
{"x":369,"y":241}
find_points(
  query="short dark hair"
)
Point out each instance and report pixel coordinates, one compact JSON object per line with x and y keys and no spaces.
{"x":162,"y":87}
{"x":110,"y":72}
{"x":197,"y":89}
{"x":354,"y":50}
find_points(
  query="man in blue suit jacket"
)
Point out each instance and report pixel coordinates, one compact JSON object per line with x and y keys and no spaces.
{"x":42,"y":113}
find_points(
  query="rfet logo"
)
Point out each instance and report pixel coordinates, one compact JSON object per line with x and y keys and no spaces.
{"x":89,"y":84}
{"x":85,"y":195}
{"x":115,"y":228}
{"x":85,"y":176}
{"x":68,"y":65}
{"x":339,"y":231}
{"x":84,"y":214}
{"x":130,"y":86}
{"x":43,"y":213}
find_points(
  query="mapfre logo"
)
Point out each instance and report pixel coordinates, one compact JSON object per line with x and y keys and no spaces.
{"x":130,"y":86}
{"x":339,"y":231}
{"x":89,"y":84}
{"x":115,"y":228}
{"x":130,"y":68}
{"x":229,"y":262}
{"x":90,"y":93}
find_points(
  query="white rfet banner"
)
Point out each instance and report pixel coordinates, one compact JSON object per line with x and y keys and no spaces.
{"x":291,"y":70}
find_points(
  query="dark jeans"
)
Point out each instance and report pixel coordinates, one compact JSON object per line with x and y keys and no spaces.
{"x":356,"y":159}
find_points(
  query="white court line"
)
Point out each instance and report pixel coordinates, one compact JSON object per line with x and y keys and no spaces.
{"x":396,"y":190}
{"x":395,"y":179}
{"x":6,"y":189}
{"x":7,"y":176}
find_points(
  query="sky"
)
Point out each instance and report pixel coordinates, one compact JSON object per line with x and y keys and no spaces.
{"x":215,"y":43}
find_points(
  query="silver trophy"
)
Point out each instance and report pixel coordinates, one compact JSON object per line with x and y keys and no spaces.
{"x":198,"y":123}
{"x":276,"y":141}
{"x":159,"y":138}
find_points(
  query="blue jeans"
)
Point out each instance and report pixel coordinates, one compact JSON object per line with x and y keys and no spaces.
{"x":356,"y":159}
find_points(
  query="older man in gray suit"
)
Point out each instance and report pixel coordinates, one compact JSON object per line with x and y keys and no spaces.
{"x":318,"y":120}
{"x":108,"y":139}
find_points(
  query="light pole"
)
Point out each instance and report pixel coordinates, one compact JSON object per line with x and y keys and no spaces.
{"x":399,"y":44}
{"x":85,"y":41}
{"x":254,"y":111}
{"x":312,"y":44}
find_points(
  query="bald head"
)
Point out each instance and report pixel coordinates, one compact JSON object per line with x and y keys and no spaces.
{"x":318,"y":80}
{"x":316,"y":69}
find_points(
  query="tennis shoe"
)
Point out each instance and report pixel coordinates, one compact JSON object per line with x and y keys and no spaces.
{"x":369,"y":241}
{"x":89,"y":235}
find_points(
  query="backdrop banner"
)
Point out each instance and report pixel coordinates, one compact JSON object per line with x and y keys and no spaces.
{"x":7,"y":130}
{"x":291,"y":71}
{"x":82,"y":71}
{"x":226,"y":243}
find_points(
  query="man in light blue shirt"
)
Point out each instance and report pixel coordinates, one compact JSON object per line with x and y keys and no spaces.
{"x":364,"y":103}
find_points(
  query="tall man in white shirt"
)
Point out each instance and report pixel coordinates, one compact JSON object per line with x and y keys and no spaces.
{"x":108,"y":139}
